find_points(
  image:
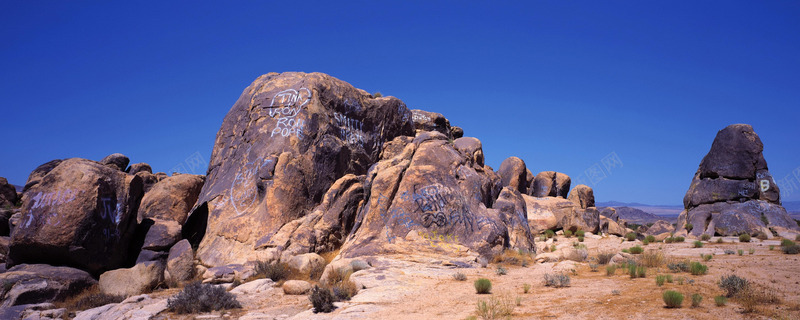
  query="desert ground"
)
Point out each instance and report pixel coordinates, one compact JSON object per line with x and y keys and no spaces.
{"x":423,"y":287}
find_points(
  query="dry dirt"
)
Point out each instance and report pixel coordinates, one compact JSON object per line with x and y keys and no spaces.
{"x":419,"y":287}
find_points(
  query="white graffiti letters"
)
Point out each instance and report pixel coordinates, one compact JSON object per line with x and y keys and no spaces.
{"x":291,"y":98}
{"x":764,"y":185}
{"x":350,"y":130}
{"x":53,"y":198}
{"x":285,"y":106}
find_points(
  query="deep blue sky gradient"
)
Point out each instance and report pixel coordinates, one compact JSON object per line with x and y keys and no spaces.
{"x":560,"y":84}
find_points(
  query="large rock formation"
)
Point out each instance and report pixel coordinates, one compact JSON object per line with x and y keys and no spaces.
{"x":171,"y":198}
{"x":428,"y":195}
{"x":37,"y":283}
{"x":733,"y":191}
{"x":550,"y":184}
{"x":81,"y":214}
{"x":8,"y":194}
{"x":281,"y":146}
{"x":514,"y":174}
{"x":37,"y":174}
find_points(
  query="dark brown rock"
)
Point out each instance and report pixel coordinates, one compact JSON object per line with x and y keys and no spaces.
{"x":514,"y":174}
{"x":162,"y":235}
{"x":456,"y":132}
{"x":39,"y":173}
{"x":171,"y":198}
{"x":116,"y":160}
{"x":8,"y":194}
{"x":735,"y":154}
{"x":282,"y":145}
{"x":139,"y":167}
{"x":148,"y":180}
{"x":582,"y":195}
{"x":431,"y":121}
{"x":550,"y":184}
{"x":733,"y":191}
{"x":81,"y":214}
{"x":38,"y":283}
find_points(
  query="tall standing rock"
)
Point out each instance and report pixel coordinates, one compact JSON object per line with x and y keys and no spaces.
{"x":171,"y":198}
{"x":733,"y":191}
{"x":280,"y":148}
{"x":37,"y":174}
{"x":514,"y":174}
{"x":8,"y":194}
{"x":81,"y":214}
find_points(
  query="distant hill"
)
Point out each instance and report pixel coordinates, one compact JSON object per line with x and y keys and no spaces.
{"x":19,"y":188}
{"x":638,"y":216}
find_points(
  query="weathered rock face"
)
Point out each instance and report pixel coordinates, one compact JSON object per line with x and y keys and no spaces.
{"x":39,"y":173}
{"x":171,"y":198}
{"x":559,"y":213}
{"x":433,"y":197}
{"x":660,"y":227}
{"x":582,"y":195}
{"x":514,"y":174}
{"x":733,"y":191}
{"x":280,"y":148}
{"x":139,"y":167}
{"x":180,"y":268}
{"x":8,"y":194}
{"x":431,"y":121}
{"x":610,"y":226}
{"x":81,"y":214}
{"x":37,"y":283}
{"x":550,"y":184}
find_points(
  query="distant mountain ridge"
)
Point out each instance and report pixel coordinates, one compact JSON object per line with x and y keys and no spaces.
{"x":641,"y":213}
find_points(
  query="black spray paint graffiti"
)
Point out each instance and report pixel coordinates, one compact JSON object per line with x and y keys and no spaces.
{"x":440,"y":207}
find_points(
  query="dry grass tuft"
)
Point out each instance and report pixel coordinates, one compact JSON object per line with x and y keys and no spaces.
{"x":513,"y":257}
{"x":652,"y":259}
{"x":89,"y":298}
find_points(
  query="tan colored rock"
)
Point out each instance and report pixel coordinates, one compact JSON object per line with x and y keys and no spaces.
{"x":180,"y":263}
{"x":171,"y":198}
{"x":582,"y":195}
{"x":39,"y":283}
{"x":306,"y":263}
{"x":296,"y":287}
{"x":514,"y":174}
{"x":127,"y":282}
{"x":541,"y":212}
{"x":550,"y":184}
{"x":609,"y":226}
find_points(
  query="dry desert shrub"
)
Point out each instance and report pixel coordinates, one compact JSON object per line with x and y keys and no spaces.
{"x":605,"y":257}
{"x":556,"y":280}
{"x":321,"y":299}
{"x":495,"y":308}
{"x":89,"y":298}
{"x":514,"y":257}
{"x":752,"y":296}
{"x":652,"y":259}
{"x":202,"y":297}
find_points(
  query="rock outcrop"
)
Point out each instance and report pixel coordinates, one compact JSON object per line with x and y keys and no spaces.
{"x":432,"y":121}
{"x":8,"y":194}
{"x":281,"y":146}
{"x":434,"y":197}
{"x":733,"y":191}
{"x":38,"y":283}
{"x":81,"y":214}
{"x":550,"y":184}
{"x":582,"y":195}
{"x":39,"y":173}
{"x":171,"y":198}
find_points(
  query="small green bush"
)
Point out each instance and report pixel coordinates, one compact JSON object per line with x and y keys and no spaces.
{"x":611,"y":270}
{"x":697,"y":268}
{"x":696,"y":299}
{"x":733,"y":284}
{"x":549,"y":233}
{"x":744,"y":237}
{"x":669,"y":278}
{"x":771,"y":247}
{"x":678,"y":266}
{"x":483,"y":286}
{"x":751,"y":251}
{"x":580,"y":238}
{"x":580,"y":233}
{"x":636,"y":250}
{"x":720,"y":240}
{"x":689,"y":227}
{"x":202,"y":297}
{"x":645,"y":242}
{"x":556,"y":280}
{"x":705,"y":237}
{"x":377,"y":95}
{"x":641,"y":271}
{"x":707,"y":257}
{"x":697,"y":244}
{"x":630,"y":236}
{"x":553,"y":248}
{"x":567,"y":233}
{"x":650,"y":238}
{"x":660,"y":279}
{"x":672,"y":299}
{"x":321,"y":300}
{"x":669,"y":240}
{"x":526,"y":288}
{"x":740,"y":252}
{"x":680,"y":239}
{"x":762,"y":236}
{"x":787,"y":242}
{"x":626,"y":250}
{"x":720,"y":301}
{"x":793,"y":249}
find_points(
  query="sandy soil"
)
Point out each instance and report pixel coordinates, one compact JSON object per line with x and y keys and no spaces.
{"x":420,"y":287}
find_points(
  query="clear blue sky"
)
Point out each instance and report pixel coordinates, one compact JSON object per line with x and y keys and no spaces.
{"x":560,"y":84}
